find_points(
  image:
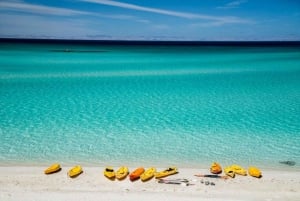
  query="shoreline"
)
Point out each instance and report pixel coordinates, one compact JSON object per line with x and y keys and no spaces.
{"x":193,"y":165}
{"x":30,"y":183}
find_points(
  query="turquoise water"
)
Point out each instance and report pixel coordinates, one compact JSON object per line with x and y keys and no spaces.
{"x":149,"y":105}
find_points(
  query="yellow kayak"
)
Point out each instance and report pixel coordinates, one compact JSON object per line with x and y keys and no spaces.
{"x":254,"y":172}
{"x":215,"y":168}
{"x":75,"y":171}
{"x":122,"y":172}
{"x":229,"y":172}
{"x":167,"y":172}
{"x":109,"y":173}
{"x":239,"y":170}
{"x":53,"y":168}
{"x":148,"y":174}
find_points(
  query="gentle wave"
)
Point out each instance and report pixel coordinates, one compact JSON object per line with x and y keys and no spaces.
{"x":126,"y":73}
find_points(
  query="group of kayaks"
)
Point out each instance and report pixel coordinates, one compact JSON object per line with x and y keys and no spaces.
{"x":233,"y":170}
{"x":145,"y":175}
{"x":73,"y":172}
{"x":139,"y":173}
{"x":120,"y":174}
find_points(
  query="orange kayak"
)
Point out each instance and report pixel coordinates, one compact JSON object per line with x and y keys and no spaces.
{"x":216,"y":168}
{"x":136,"y":173}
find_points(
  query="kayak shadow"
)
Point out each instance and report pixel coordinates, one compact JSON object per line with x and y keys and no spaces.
{"x":54,"y":172}
{"x":111,"y":178}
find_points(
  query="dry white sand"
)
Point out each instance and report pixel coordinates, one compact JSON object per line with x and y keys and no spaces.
{"x":30,"y":183}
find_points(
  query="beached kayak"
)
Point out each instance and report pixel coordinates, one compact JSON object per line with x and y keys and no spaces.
{"x":167,"y":172}
{"x":122,"y":172}
{"x":75,"y":171}
{"x":136,"y":173}
{"x":109,"y":173}
{"x":229,"y":172}
{"x":254,"y":172}
{"x":53,"y":168}
{"x":148,"y":174}
{"x":215,"y":168}
{"x":239,"y":170}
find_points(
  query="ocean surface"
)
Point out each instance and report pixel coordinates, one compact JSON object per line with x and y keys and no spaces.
{"x":148,"y":105}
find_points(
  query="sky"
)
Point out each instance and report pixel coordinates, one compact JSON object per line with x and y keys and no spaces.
{"x":187,"y":20}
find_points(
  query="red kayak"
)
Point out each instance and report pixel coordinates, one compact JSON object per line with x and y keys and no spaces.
{"x":136,"y":173}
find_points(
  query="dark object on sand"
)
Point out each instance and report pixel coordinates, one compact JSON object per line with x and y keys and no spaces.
{"x":290,"y":163}
{"x":183,"y":182}
{"x":211,"y":176}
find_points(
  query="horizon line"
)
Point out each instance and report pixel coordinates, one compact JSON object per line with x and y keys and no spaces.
{"x":151,"y":42}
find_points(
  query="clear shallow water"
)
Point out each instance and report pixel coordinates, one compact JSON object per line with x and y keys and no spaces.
{"x":149,"y":105}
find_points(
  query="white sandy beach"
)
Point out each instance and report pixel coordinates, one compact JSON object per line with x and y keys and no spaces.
{"x":30,"y":183}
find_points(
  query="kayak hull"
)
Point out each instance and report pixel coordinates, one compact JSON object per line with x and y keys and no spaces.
{"x":109,"y":173}
{"x":148,"y":174}
{"x":53,"y":169}
{"x":215,"y":168}
{"x":135,"y":175}
{"x":122,"y":173}
{"x":167,"y":172}
{"x":75,"y":171}
{"x":229,"y":172}
{"x":239,"y":170}
{"x":254,"y":172}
